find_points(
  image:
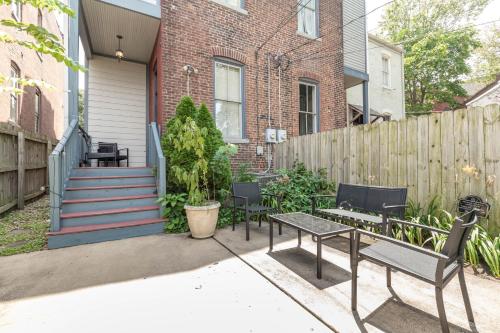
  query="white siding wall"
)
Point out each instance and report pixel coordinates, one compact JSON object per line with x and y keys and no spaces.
{"x":117,"y":105}
{"x":491,"y":97}
{"x":382,"y":99}
{"x":354,"y":35}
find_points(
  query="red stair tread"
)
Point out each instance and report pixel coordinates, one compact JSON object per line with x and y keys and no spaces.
{"x":109,"y":177}
{"x":108,"y":187}
{"x":97,"y":227}
{"x":93,"y":200}
{"x":109,"y":211}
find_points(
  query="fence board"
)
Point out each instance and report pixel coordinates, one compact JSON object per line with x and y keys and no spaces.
{"x":392,"y":168}
{"x":476,"y":151}
{"x":491,"y":123}
{"x":461,"y":152}
{"x":448,"y":171}
{"x":435,"y":154}
{"x":384,"y":153}
{"x":402,"y":154}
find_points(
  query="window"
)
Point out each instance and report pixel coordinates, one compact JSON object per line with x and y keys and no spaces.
{"x":386,"y":75}
{"x":14,"y":97}
{"x":307,"y":109}
{"x":234,"y":3}
{"x":17,"y":10}
{"x":228,"y":100}
{"x":38,"y":101}
{"x":307,"y":17}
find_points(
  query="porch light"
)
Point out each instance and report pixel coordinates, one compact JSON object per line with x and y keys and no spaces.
{"x":119,"y":52}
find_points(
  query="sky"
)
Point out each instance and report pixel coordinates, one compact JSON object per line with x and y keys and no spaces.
{"x":490,"y":13}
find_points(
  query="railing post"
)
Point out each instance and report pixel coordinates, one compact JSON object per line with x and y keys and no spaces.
{"x":55,"y":190}
{"x":20,"y":170}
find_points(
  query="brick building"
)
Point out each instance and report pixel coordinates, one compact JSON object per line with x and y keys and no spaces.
{"x":39,"y":109}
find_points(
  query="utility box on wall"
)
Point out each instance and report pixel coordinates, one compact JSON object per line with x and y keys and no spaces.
{"x":271,"y":135}
{"x":281,"y":135}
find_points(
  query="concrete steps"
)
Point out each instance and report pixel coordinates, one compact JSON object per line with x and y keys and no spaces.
{"x":102,"y":204}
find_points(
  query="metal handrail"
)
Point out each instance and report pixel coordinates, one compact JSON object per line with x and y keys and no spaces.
{"x":157,"y":160}
{"x":62,"y":160}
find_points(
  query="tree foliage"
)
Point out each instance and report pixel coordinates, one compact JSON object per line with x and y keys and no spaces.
{"x":37,"y":39}
{"x":486,"y":63}
{"x":438,"y":41}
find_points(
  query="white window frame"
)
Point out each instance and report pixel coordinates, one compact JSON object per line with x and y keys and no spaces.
{"x":307,"y":6}
{"x":240,"y":8}
{"x":15,"y":73}
{"x":38,"y":109}
{"x":386,"y":57}
{"x":242,"y":98}
{"x":315,"y":106}
{"x":17,"y":10}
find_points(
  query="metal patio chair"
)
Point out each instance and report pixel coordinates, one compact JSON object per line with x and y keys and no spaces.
{"x":426,"y":265}
{"x":248,"y":198}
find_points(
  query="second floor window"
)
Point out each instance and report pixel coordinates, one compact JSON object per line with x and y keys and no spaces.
{"x":229,"y":100}
{"x":307,"y":17}
{"x":15,"y":74}
{"x":17,"y":10}
{"x":233,"y":3}
{"x":307,"y":108}
{"x":38,"y":104}
{"x":386,"y":75}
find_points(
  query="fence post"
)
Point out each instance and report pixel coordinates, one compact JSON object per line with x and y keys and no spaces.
{"x":20,"y":170}
{"x":49,"y":151}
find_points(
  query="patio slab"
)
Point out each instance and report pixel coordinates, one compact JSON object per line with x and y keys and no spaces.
{"x":163,"y":283}
{"x":408,"y":307}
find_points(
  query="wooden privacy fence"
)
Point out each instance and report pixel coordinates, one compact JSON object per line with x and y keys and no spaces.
{"x":23,"y":166}
{"x":449,"y":154}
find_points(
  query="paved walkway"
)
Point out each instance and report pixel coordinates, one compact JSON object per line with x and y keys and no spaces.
{"x":163,"y":283}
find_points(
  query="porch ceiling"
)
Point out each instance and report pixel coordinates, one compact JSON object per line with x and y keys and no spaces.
{"x":104,"y":21}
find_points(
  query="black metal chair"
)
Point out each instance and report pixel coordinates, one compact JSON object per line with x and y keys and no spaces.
{"x":426,"y":265}
{"x":248,"y":198}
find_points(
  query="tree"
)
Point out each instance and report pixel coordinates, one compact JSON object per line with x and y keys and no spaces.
{"x":438,"y":40}
{"x":486,"y":62}
{"x":37,"y":39}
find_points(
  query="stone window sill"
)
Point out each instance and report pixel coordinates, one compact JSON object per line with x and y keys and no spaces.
{"x":236,"y":141}
{"x":238,"y":9}
{"x":308,"y":36}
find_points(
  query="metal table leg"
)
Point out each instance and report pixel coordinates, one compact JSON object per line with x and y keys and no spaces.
{"x":271,"y":235}
{"x":318,"y":257}
{"x":299,"y":234}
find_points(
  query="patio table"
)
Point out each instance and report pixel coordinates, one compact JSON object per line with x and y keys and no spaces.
{"x":316,"y":226}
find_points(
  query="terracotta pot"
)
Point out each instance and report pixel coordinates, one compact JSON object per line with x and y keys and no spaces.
{"x":202,"y":220}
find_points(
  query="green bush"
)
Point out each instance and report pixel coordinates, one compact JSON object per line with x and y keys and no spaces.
{"x":243,"y":175}
{"x":296,"y":186}
{"x":173,"y":205}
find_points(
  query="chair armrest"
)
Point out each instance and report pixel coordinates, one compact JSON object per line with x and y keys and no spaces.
{"x":402,"y":244}
{"x":345,"y":203}
{"x":426,"y":227}
{"x":384,"y":206}
{"x":317,"y":196}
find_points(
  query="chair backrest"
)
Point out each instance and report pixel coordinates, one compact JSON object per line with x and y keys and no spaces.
{"x":249,"y":190}
{"x":470,"y":202}
{"x":372,"y":198}
{"x":106,"y":147}
{"x":459,"y":234}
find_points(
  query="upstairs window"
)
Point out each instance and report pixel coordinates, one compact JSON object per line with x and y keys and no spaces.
{"x":38,"y":108}
{"x":386,"y":75}
{"x":307,"y":17}
{"x":229,"y":100}
{"x":234,"y":3}
{"x":17,"y":10}
{"x":307,"y":109}
{"x":15,"y":74}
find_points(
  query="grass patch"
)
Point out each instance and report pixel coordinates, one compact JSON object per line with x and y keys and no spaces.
{"x":23,"y":231}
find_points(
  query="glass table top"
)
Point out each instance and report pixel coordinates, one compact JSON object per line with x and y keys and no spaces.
{"x":314,"y":225}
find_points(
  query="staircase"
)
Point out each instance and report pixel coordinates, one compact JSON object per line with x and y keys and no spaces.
{"x":103,"y":204}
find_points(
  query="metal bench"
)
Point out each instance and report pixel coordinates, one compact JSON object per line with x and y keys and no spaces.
{"x":364,"y":205}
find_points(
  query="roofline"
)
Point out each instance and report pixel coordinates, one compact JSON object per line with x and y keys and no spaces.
{"x":385,"y":43}
{"x":483,"y":91}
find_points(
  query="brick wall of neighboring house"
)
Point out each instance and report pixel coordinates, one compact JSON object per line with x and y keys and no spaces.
{"x":197,"y":31}
{"x":33,"y":66}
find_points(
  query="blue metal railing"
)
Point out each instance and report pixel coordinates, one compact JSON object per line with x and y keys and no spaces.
{"x":62,"y":160}
{"x":156,"y":160}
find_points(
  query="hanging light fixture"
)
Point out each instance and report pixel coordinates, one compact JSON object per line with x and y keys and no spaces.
{"x":119,"y":52}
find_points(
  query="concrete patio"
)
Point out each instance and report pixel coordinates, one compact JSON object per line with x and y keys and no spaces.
{"x":225,"y":284}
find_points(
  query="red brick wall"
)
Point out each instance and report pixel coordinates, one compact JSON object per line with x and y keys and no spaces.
{"x":32,"y":66}
{"x":194,"y":32}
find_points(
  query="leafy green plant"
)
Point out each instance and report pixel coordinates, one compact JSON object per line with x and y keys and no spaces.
{"x":296,"y":186}
{"x":220,"y":167}
{"x":243,"y":175}
{"x":173,"y":204}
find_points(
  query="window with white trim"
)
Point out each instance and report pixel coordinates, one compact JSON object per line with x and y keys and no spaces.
{"x":38,"y":104}
{"x":386,"y":72}
{"x":15,"y":75}
{"x":307,"y":108}
{"x":232,"y":3}
{"x":229,"y":100}
{"x":17,"y":10}
{"x":307,"y":17}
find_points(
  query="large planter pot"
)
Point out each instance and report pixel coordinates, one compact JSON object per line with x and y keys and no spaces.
{"x":202,"y":220}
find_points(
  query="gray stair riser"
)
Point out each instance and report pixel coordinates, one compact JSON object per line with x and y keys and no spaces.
{"x":111,"y":182}
{"x":88,"y":172}
{"x":104,"y":235}
{"x":110,"y":218}
{"x":118,"y":192}
{"x":86,"y":207}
